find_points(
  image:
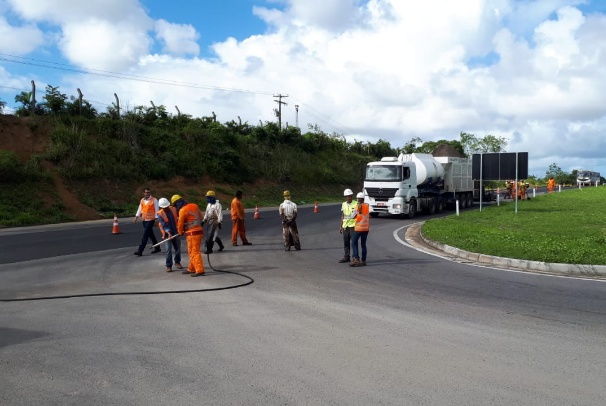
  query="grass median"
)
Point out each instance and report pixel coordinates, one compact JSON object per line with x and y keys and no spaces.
{"x":567,"y":227}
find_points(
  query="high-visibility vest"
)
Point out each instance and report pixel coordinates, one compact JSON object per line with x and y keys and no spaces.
{"x":162,"y":214}
{"x":348,"y":210}
{"x":148,"y":209}
{"x":363,"y":218}
{"x":190,"y":218}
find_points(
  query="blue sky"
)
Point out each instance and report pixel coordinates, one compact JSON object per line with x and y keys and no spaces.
{"x":214,"y":20}
{"x":532,"y":72}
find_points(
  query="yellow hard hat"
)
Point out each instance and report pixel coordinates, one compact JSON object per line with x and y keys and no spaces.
{"x":210,"y":193}
{"x":286,"y":193}
{"x":175,"y":198}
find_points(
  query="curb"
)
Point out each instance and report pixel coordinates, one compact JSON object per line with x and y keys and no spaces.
{"x":414,"y":234}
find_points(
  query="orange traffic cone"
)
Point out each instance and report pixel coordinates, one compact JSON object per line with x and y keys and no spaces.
{"x":316,"y":208}
{"x":116,"y":228}
{"x":257,"y":215}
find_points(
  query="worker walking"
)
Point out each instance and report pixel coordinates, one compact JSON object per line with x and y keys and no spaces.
{"x":348,"y":221}
{"x":551,"y":184}
{"x":168,"y":219}
{"x":213,"y":216}
{"x":148,"y":207}
{"x":190,"y":224}
{"x":361,"y":229}
{"x":237,"y":218}
{"x":288,"y":214}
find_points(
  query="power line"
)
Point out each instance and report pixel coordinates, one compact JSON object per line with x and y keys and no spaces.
{"x":322,"y":117}
{"x":138,"y":78}
{"x":110,"y":74}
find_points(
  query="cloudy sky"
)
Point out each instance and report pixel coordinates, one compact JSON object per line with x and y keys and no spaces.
{"x":533,"y":72}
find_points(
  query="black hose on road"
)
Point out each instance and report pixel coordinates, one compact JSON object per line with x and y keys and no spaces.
{"x":161,"y":292}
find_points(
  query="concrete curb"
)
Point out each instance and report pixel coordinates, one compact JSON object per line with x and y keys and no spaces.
{"x":414,"y":234}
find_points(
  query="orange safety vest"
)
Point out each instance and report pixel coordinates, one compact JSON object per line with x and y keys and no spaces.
{"x":148,"y":209}
{"x":363,"y":218}
{"x":165,"y":218}
{"x":190,"y":218}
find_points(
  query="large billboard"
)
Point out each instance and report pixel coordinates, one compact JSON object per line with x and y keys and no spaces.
{"x":500,"y":166}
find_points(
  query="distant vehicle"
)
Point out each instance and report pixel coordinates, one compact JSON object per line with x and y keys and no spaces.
{"x":587,"y":178}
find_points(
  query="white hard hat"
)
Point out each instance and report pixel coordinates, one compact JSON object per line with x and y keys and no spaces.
{"x":347,"y":192}
{"x":164,"y":203}
{"x":360,"y":195}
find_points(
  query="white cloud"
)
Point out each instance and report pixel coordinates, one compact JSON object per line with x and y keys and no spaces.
{"x":331,"y":15}
{"x":96,"y":34}
{"x":179,"y":39}
{"x":73,"y":11}
{"x":97,"y":44}
{"x":19,"y":40}
{"x":373,"y":69}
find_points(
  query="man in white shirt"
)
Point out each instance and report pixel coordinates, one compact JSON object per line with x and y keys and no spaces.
{"x":288,"y":214}
{"x":148,"y":207}
{"x":213,"y":216}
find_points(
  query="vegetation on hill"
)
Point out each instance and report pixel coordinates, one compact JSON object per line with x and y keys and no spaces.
{"x":78,"y":164}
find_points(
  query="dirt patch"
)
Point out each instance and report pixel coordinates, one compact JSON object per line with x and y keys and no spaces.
{"x":24,"y":136}
{"x":73,"y":207}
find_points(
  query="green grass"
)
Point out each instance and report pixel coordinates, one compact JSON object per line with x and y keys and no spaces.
{"x":567,"y":227}
{"x":31,"y":203}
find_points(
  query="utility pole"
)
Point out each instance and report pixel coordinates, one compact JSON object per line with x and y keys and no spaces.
{"x":117,"y":105}
{"x":279,"y":109}
{"x":32,"y":99}
{"x":297,"y":115}
{"x":79,"y":102}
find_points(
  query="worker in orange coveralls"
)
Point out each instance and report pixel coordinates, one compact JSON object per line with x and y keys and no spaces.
{"x":551,"y":184}
{"x":237,"y":218}
{"x":190,"y":224}
{"x":509,"y":188}
{"x":521,"y":190}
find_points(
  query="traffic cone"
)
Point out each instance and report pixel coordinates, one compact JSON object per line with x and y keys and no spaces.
{"x":316,"y":208}
{"x":257,"y":215}
{"x":116,"y":228}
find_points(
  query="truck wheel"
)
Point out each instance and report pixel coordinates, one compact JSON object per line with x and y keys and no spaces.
{"x":432,"y":206}
{"x":412,"y":208}
{"x":462,"y":201}
{"x":439,"y":205}
{"x":374,"y":214}
{"x":469,"y":199}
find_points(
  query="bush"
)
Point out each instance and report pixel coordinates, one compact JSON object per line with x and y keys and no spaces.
{"x":11,"y":169}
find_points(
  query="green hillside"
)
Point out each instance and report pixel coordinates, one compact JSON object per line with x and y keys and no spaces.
{"x":87,"y":168}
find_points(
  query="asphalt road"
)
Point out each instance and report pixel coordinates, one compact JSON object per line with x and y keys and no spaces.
{"x":408,"y":329}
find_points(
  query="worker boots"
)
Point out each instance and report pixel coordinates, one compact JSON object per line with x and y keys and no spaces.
{"x":344,"y":260}
{"x":357,"y":262}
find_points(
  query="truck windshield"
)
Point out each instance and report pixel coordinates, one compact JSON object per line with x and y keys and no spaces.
{"x":383,"y":173}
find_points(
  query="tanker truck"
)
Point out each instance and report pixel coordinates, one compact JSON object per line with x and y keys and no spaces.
{"x":412,"y":183}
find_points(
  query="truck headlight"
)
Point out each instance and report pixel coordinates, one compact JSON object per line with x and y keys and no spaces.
{"x":397,"y":206}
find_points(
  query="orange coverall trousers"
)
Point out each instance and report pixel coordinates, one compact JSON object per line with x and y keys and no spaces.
{"x":237,"y":227}
{"x":195,"y":257}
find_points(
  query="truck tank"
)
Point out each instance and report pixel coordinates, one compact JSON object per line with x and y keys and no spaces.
{"x":429,"y":171}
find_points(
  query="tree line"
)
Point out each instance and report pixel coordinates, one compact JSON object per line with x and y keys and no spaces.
{"x":147,"y":142}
